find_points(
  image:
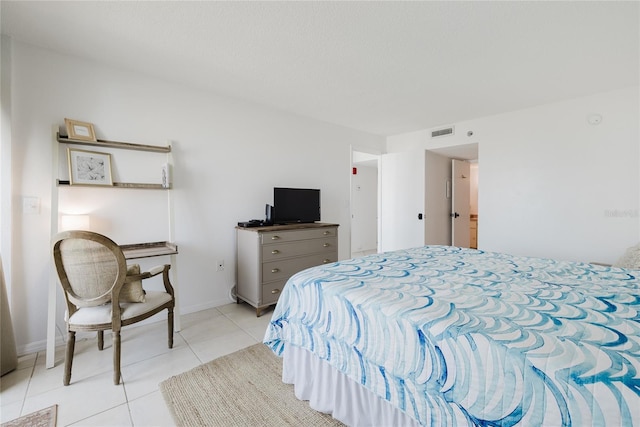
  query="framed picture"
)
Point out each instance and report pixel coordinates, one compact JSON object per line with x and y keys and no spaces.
{"x":80,"y":130}
{"x":89,"y":167}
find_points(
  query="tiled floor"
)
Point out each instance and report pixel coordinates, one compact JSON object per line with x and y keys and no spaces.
{"x":93,"y":400}
{"x":363,"y":253}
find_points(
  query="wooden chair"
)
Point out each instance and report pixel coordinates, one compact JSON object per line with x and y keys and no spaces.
{"x":93,"y":271}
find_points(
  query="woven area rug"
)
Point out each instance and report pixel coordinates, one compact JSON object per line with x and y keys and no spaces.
{"x":244,"y":388}
{"x":43,"y":418}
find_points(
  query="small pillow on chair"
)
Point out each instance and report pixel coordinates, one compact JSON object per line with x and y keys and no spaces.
{"x":132,"y":291}
{"x":630,"y":259}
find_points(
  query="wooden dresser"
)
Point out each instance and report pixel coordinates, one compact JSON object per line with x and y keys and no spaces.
{"x":267,"y":256}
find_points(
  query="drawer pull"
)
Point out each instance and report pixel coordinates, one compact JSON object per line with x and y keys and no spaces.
{"x":326,"y":261}
{"x":275,"y":291}
{"x":326,"y":233}
{"x":275,"y":252}
{"x":275,"y":237}
{"x":326,"y":245}
{"x":275,"y":270}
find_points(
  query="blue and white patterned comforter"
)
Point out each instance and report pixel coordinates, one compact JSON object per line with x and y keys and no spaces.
{"x":464,"y":337}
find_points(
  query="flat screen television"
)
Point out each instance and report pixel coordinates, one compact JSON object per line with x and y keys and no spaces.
{"x":291,"y":205}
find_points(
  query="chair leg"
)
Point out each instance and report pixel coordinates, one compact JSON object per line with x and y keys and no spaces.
{"x":170,"y":327}
{"x":68,"y":357}
{"x":116,"y":357}
{"x":100,"y":340}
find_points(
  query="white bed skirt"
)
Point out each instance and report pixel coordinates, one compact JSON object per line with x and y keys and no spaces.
{"x":330,"y":391}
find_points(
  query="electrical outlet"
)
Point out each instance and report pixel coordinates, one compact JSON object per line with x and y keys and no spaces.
{"x":221,"y":265}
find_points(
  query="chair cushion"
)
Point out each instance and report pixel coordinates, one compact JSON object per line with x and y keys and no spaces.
{"x":630,"y":259}
{"x":132,"y":292}
{"x":102,"y":314}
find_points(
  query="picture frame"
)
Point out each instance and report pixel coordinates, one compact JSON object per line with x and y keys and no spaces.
{"x":82,"y":131}
{"x":89,"y":168}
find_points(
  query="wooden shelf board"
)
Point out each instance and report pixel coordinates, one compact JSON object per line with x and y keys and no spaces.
{"x":115,"y":144}
{"x":148,"y":250}
{"x":65,"y":183}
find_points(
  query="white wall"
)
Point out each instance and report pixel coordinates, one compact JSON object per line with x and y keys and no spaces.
{"x":228,"y":156}
{"x":551,"y":184}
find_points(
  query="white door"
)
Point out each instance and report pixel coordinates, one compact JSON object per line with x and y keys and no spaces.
{"x":437,"y":218}
{"x":402,"y":200}
{"x":460,"y":203}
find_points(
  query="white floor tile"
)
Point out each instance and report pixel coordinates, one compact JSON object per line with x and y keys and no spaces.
{"x":147,"y":341}
{"x":14,"y":386}
{"x":191,"y":319}
{"x":10,"y":411}
{"x":151,"y":410}
{"x":144,"y":377}
{"x":88,"y":362}
{"x":246,"y":319}
{"x":118,"y":416}
{"x":235,"y":311}
{"x":44,"y":379}
{"x":257,"y":332}
{"x":246,"y":313}
{"x":222,"y":345}
{"x":209,"y":329}
{"x":79,"y":400}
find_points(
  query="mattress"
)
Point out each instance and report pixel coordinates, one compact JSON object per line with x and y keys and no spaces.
{"x":453,"y":336}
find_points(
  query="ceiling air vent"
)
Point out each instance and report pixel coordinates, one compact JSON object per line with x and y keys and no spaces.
{"x":442,"y":132}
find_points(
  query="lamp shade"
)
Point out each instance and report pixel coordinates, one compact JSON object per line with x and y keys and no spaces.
{"x":74,"y":222}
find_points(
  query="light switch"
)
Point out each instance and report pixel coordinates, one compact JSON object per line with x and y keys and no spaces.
{"x":30,"y":205}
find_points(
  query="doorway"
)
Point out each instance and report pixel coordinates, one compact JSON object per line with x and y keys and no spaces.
{"x":414,"y":197}
{"x":462,"y":193}
{"x":365,"y":203}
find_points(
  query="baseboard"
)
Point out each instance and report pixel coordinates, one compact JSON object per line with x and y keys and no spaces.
{"x":37,"y":346}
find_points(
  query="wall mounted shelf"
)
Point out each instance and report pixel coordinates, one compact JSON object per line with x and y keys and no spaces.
{"x":119,"y":145}
{"x":114,"y":144}
{"x":65,"y":183}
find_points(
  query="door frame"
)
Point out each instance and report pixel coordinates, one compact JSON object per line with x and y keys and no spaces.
{"x":468,"y":152}
{"x":460,"y":203}
{"x":377,"y":154}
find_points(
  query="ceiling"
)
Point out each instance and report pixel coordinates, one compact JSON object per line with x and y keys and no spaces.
{"x":380,"y":67}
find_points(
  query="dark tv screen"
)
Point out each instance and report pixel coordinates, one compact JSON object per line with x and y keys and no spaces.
{"x":292,"y":205}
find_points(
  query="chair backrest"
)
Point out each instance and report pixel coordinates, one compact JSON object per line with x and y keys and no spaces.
{"x":90,"y":266}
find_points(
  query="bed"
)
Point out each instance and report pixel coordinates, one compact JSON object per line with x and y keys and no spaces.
{"x":445,"y":336}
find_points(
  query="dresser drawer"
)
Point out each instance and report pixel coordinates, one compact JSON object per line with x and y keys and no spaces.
{"x":283,"y":269}
{"x":271,"y":291}
{"x":293,"y":235}
{"x":298,"y":248}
